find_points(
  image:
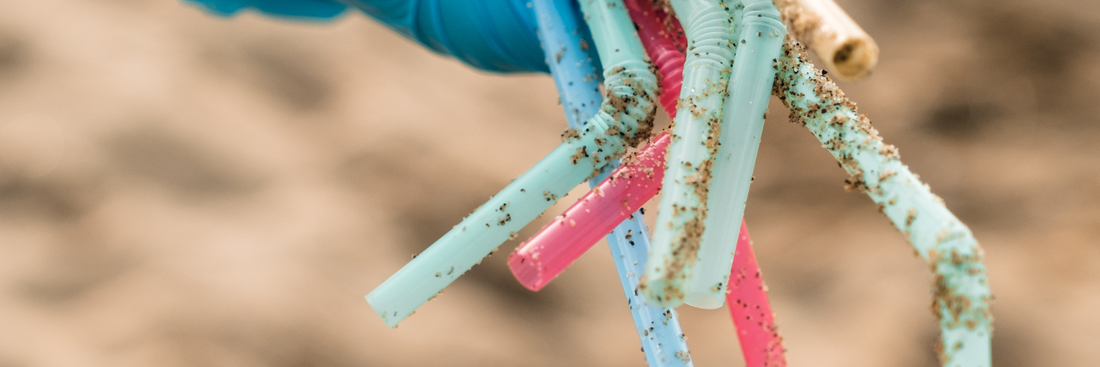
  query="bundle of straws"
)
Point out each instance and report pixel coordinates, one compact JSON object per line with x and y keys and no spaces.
{"x":713,"y":66}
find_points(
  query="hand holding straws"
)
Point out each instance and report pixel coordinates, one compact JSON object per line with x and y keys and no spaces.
{"x":714,"y":141}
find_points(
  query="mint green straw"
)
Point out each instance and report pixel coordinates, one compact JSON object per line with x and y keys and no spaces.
{"x":695,"y":133}
{"x":961,"y":289}
{"x":761,"y":42}
{"x":625,"y":118}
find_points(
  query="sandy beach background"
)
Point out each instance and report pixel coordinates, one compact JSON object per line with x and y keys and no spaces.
{"x":178,"y":189}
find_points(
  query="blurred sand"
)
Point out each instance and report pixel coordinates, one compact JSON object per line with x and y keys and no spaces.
{"x":183,"y":190}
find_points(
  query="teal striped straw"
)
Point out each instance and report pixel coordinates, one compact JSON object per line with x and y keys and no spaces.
{"x":564,"y":41}
{"x":961,"y":288}
{"x":694,"y":145}
{"x":625,"y":118}
{"x":760,"y":43}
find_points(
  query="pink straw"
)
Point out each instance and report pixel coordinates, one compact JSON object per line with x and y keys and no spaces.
{"x":539,"y":260}
{"x":750,"y":310}
{"x":664,"y":41}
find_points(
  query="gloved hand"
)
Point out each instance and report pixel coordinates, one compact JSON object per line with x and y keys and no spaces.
{"x":491,"y":35}
{"x":315,"y":9}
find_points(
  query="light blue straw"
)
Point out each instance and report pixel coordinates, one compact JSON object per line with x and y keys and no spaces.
{"x":760,"y":43}
{"x":625,"y":118}
{"x":694,"y":145}
{"x":961,"y":289}
{"x":663,"y":341}
{"x":572,"y":58}
{"x":564,"y":41}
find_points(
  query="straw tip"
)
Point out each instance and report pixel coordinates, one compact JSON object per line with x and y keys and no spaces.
{"x":855,"y":58}
{"x":528,"y":270}
{"x":391,"y":318}
{"x":705,"y":300}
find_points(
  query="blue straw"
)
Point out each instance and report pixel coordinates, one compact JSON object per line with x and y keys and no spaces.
{"x":570,"y":53}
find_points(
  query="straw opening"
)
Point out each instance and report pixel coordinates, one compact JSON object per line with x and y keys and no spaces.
{"x":527,"y":270}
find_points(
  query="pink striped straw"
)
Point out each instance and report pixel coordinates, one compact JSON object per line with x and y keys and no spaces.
{"x":747,"y":297}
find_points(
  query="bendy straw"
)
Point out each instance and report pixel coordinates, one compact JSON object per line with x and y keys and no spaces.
{"x":826,"y":29}
{"x":961,"y":289}
{"x":625,"y":118}
{"x":572,"y":59}
{"x":750,"y":310}
{"x":695,"y":133}
{"x":567,"y":42}
{"x":663,"y":39}
{"x":760,"y":43}
{"x":542,"y":258}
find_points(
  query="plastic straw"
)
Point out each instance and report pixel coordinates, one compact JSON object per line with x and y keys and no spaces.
{"x":624,"y":118}
{"x":694,"y":144}
{"x":572,"y":59}
{"x":663,"y":340}
{"x":567,"y":42}
{"x":750,"y":310}
{"x":761,"y":41}
{"x":539,"y":260}
{"x":961,"y":289}
{"x":825,"y":28}
{"x":663,"y":39}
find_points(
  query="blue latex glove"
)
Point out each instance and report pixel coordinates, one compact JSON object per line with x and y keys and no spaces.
{"x":309,"y":9}
{"x":491,"y":35}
